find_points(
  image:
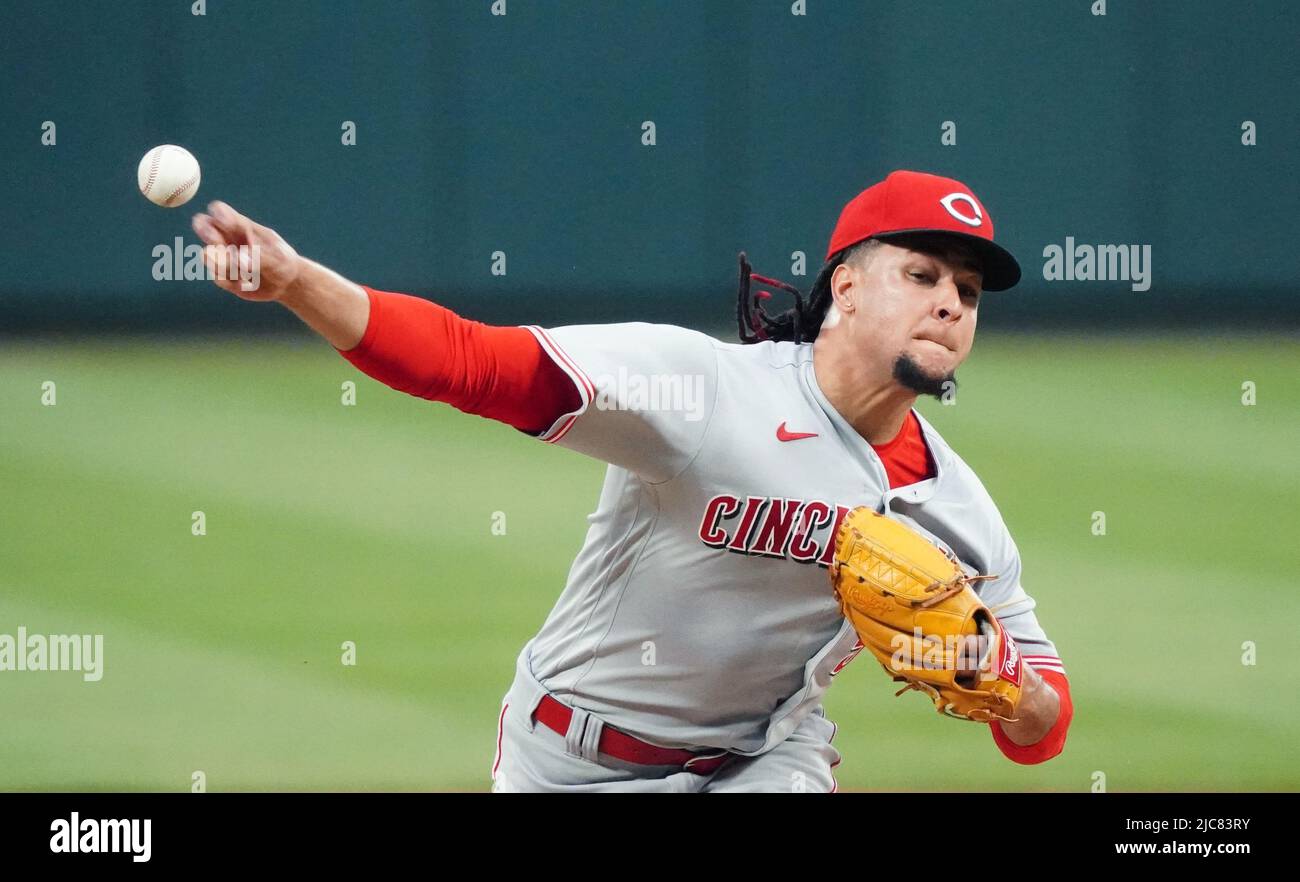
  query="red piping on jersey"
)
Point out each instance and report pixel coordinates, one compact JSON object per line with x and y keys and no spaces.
{"x":501,"y":728}
{"x":588,"y":390}
{"x":835,"y":785}
{"x":1041,"y":662}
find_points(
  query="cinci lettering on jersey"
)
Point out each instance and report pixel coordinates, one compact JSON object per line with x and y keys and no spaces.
{"x":802,"y":530}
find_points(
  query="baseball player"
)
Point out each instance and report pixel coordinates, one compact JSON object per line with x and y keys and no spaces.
{"x":697,"y":632}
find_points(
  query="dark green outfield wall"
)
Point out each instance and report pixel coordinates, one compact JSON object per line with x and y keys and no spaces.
{"x":523,"y":134}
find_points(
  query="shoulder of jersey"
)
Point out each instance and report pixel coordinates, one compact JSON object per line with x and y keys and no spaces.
{"x":768,"y":353}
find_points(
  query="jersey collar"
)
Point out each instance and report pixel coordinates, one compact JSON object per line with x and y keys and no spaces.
{"x":866,"y":454}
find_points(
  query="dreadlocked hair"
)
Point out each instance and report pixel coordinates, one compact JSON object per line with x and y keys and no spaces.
{"x":800,"y":323}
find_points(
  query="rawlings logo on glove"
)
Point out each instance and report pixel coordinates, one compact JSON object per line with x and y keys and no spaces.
{"x":915,"y":610}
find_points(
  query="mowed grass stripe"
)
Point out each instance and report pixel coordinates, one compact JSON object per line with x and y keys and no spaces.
{"x":284,"y":588}
{"x":165,"y":708}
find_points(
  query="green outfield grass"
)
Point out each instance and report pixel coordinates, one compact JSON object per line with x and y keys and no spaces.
{"x":372,"y":524}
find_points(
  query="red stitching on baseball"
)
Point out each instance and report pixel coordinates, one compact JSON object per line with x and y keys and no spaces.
{"x":181,"y":189}
{"x":153,"y":170}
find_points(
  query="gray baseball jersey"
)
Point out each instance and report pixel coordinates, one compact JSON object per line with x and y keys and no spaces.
{"x":698,"y":613}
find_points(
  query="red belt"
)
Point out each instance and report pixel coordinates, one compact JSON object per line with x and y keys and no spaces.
{"x":623,"y":746}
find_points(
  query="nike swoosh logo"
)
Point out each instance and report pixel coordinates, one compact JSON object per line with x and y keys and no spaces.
{"x":783,"y":434}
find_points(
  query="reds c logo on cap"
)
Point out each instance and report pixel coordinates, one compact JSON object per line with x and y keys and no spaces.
{"x":947,"y":203}
{"x":904,"y":204}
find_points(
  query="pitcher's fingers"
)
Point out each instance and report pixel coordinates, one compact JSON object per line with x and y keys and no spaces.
{"x":250,"y":227}
{"x":207,"y":230}
{"x":233,"y":225}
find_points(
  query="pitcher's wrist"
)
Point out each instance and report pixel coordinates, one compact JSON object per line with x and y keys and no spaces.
{"x":296,"y":292}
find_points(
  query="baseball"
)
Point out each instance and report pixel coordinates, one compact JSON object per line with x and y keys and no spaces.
{"x":168,"y":175}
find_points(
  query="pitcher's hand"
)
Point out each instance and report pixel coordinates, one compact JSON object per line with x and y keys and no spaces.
{"x":243,"y":257}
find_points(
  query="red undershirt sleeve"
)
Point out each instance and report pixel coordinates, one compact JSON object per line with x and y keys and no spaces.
{"x":1050,"y":744}
{"x":426,"y":350}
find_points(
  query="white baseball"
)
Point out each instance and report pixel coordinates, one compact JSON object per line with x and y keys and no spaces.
{"x":168,"y":175}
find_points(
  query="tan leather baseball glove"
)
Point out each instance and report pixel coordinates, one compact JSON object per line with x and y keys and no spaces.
{"x":915,"y":610}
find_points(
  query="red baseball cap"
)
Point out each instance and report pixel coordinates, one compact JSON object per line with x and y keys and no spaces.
{"x":915,"y":202}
